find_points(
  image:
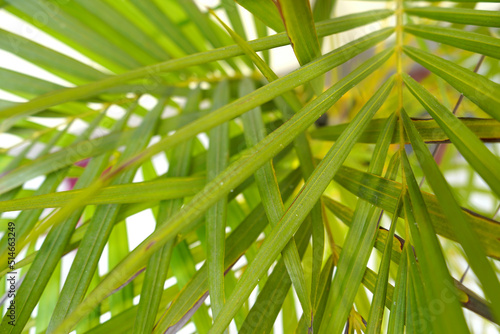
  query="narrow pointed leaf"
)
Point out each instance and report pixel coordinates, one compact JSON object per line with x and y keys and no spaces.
{"x":471,"y":41}
{"x":384,"y":193}
{"x":266,"y":11}
{"x":263,"y":151}
{"x":71,"y":94}
{"x":483,"y":92}
{"x":254,"y":133}
{"x":398,"y":307}
{"x":299,"y":24}
{"x":236,"y":245}
{"x":487,"y":18}
{"x":487,"y":130}
{"x":472,"y":149}
{"x":263,"y":313}
{"x":57,"y":63}
{"x":160,"y":189}
{"x":461,"y":227}
{"x":434,"y":270}
{"x":159,"y":264}
{"x":469,"y":299}
{"x":51,"y":250}
{"x":100,"y":227}
{"x":378,"y":302}
{"x":300,"y":207}
{"x":359,"y":242}
{"x":217,"y":160}
{"x":272,"y":201}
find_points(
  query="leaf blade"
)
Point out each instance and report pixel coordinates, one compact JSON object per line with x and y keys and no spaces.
{"x":458,"y":15}
{"x":297,"y":212}
{"x":481,"y":91}
{"x":466,"y":40}
{"x":473,"y":150}
{"x":461,"y":227}
{"x":266,"y":149}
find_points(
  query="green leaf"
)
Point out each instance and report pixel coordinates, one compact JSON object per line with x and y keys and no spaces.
{"x":57,"y":63}
{"x":412,"y":311}
{"x":266,"y":11}
{"x":129,"y":30}
{"x":225,"y":182}
{"x":473,"y":150}
{"x":486,"y":130}
{"x":345,"y":214}
{"x":118,"y":246}
{"x":378,"y":303}
{"x":47,"y":302}
{"x":255,"y":131}
{"x":184,"y":267}
{"x":71,"y":94}
{"x":159,"y":189}
{"x":261,"y":30}
{"x":236,"y":244}
{"x":487,"y":18}
{"x":234,"y":17}
{"x":263,"y":313}
{"x":418,"y":318}
{"x":77,"y":151}
{"x":123,"y":42}
{"x":460,"y":225}
{"x":384,"y":193}
{"x":266,"y":179}
{"x":127,"y":211}
{"x":370,"y":280}
{"x":322,"y":9}
{"x":353,"y":258}
{"x":164,"y":24}
{"x":304,"y":202}
{"x":323,"y":291}
{"x":217,"y":160}
{"x":290,"y":320}
{"x":28,"y":218}
{"x":273,"y":204}
{"x":205,"y":26}
{"x":466,"y":40}
{"x":158,"y":265}
{"x":469,"y":299}
{"x":25,"y":85}
{"x":435,"y":274}
{"x":121,"y":322}
{"x":251,"y":102}
{"x":93,"y":318}
{"x":52,"y":249}
{"x":299,"y":24}
{"x":478,"y":89}
{"x":77,"y":34}
{"x":100,"y":227}
{"x":398,"y":307}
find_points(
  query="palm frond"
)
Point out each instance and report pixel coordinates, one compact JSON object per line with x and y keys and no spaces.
{"x":159,"y":172}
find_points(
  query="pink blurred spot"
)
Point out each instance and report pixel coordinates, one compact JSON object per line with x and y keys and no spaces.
{"x":70,"y":182}
{"x":419,"y":73}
